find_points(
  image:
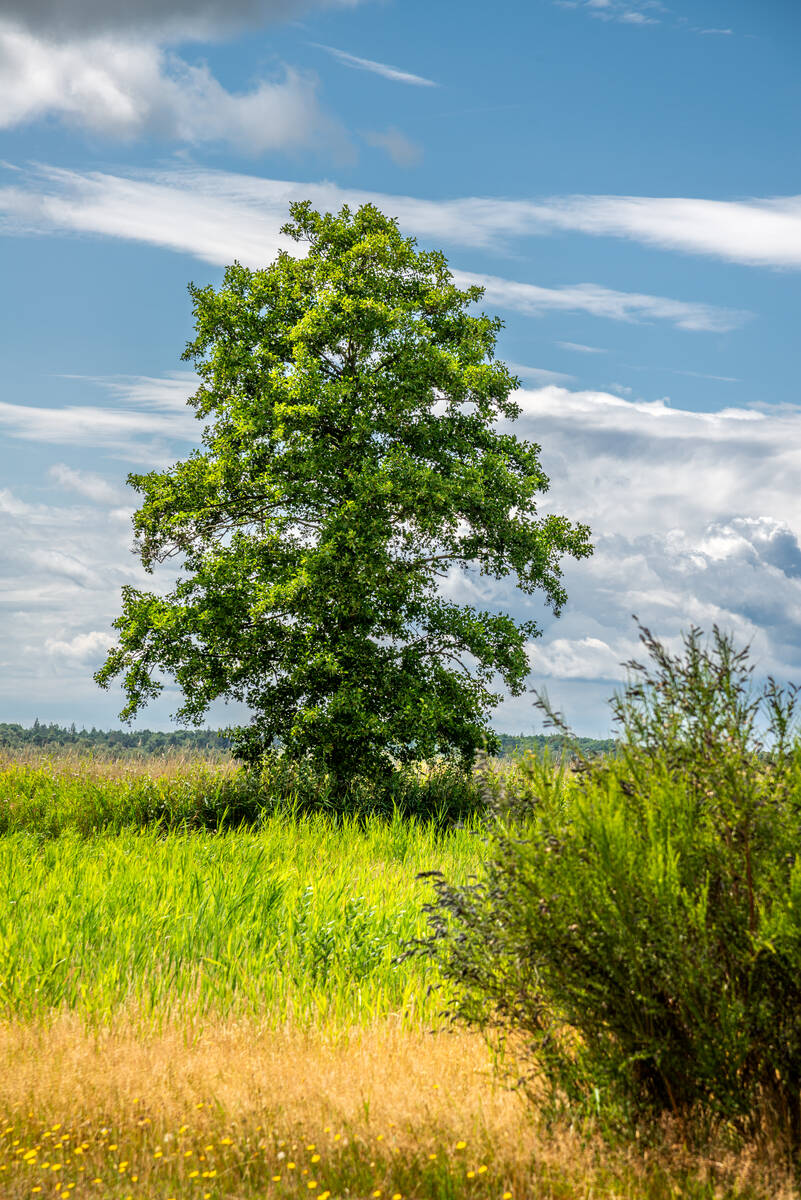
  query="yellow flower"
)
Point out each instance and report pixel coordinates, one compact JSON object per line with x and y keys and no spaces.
{"x":194,"y":1174}
{"x":290,"y":1166}
{"x":276,"y":1178}
{"x":507,"y":1196}
{"x":311,"y":1183}
{"x":113,"y":1146}
{"x":481,"y":1169}
{"x":324,"y":1195}
{"x":315,"y":1158}
{"x":471,"y":1174}
{"x":226,"y":1142}
{"x":432,"y":1156}
{"x":158,"y":1154}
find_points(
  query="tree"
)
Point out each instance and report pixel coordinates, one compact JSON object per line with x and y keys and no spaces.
{"x":351,"y":463}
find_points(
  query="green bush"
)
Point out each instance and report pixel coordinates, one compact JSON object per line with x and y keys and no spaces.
{"x":639,"y":921}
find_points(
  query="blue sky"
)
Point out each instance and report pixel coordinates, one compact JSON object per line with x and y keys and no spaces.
{"x":621,"y":175}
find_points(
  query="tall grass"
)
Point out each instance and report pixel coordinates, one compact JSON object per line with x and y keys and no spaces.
{"x":87,"y":794}
{"x":303,"y":919}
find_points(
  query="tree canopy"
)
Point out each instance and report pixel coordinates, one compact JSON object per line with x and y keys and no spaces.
{"x":352,"y":465}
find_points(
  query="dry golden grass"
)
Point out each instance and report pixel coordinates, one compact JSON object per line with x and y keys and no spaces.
{"x":104,"y":764}
{"x":221,"y":1109}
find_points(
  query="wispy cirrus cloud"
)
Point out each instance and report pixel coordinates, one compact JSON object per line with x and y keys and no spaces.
{"x":145,"y":419}
{"x":220,"y":217}
{"x":395,"y":74}
{"x":755,"y":232}
{"x":601,"y":301}
{"x":579,"y":348}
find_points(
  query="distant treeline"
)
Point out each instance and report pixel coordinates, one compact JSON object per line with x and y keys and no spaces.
{"x":512,"y":743}
{"x":154,"y":741}
{"x":145,"y":741}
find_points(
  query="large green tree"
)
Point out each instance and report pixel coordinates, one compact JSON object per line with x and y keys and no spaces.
{"x":352,"y":462}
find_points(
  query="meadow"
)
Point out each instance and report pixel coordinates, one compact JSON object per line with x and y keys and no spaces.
{"x":202,"y":994}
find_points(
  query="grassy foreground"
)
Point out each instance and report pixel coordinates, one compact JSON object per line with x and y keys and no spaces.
{"x":219,"y":1015}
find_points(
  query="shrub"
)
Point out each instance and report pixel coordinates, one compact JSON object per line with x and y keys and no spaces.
{"x":640,"y":922}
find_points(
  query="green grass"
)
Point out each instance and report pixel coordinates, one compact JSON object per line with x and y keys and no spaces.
{"x":303,"y":917}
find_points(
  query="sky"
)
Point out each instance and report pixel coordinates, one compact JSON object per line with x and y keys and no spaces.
{"x":622,"y":176}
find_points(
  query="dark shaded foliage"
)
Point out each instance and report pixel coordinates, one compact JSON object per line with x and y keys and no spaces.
{"x":639,"y":922}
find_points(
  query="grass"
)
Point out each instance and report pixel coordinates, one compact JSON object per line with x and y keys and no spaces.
{"x":189,"y":1008}
{"x":301,"y":919}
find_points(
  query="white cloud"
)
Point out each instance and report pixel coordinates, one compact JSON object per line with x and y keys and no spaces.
{"x":221,"y":217}
{"x":377,"y":68}
{"x":539,"y":375}
{"x":580,"y":349}
{"x":83,"y":648}
{"x":155,"y":415}
{"x":402,"y":151}
{"x":127,"y":89}
{"x":580,"y":658}
{"x":85,"y":483}
{"x":696,"y":518}
{"x":756,"y":232}
{"x":626,"y":12}
{"x":602,"y":302}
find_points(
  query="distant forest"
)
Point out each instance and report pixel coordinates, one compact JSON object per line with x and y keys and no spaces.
{"x":514,"y":743}
{"x":145,"y":741}
{"x":205,"y":741}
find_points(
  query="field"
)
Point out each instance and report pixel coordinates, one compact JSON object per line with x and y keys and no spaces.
{"x":193,"y":1006}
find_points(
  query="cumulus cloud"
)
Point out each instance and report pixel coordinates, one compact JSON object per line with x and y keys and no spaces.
{"x":126,"y":89}
{"x":83,"y":648}
{"x":696,"y":518}
{"x":184,"y":17}
{"x":395,"y":74}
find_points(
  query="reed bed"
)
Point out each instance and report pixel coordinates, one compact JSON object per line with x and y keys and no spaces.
{"x":302,"y":919}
